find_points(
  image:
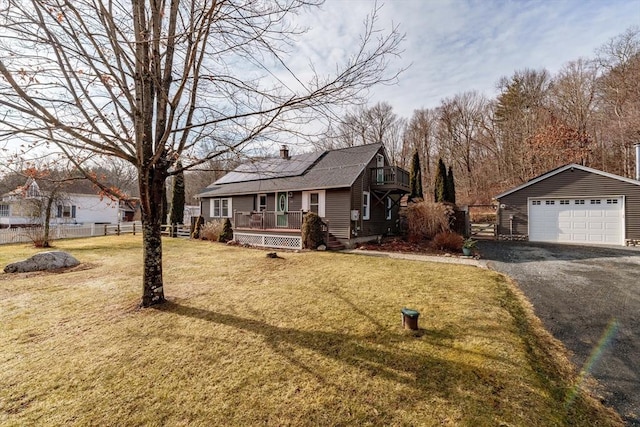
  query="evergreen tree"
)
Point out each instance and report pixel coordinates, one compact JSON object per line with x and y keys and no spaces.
{"x":177,"y":202}
{"x":440,"y":185}
{"x":165,"y":206}
{"x":227,"y":232}
{"x":451,"y":187}
{"x":415,"y":177}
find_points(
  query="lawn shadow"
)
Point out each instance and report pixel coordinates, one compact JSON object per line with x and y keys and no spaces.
{"x":373,"y":354}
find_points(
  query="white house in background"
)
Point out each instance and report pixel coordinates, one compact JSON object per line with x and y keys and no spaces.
{"x":80,"y":204}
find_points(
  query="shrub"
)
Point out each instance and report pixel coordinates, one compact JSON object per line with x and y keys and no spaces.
{"x":212,"y":230}
{"x":447,"y":241}
{"x":426,"y":219}
{"x":312,"y":235}
{"x":227,"y":233}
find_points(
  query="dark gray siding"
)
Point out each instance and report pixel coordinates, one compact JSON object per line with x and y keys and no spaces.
{"x":295,"y":201}
{"x":243,"y":203}
{"x":576,"y":183}
{"x":337,"y":211}
{"x":377,"y":224}
{"x":205,"y":209}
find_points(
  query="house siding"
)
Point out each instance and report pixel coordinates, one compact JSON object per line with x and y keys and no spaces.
{"x":377,"y":224}
{"x":337,"y":211}
{"x":570,"y":184}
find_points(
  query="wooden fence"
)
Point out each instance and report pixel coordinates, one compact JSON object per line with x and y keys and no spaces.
{"x":68,"y":231}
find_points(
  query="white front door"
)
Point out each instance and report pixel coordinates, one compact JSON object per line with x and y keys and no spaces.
{"x":572,"y":220}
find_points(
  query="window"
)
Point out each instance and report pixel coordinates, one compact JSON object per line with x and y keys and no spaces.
{"x":314,"y":203}
{"x":612,"y":201}
{"x":594,"y":201}
{"x":549,"y":202}
{"x":4,"y":210}
{"x":66,"y":211}
{"x":579,"y":202}
{"x":366,"y":201}
{"x":535,"y":202}
{"x":389,"y":207}
{"x":220,"y":208}
{"x":564,"y":202}
{"x":262,"y":202}
{"x":379,"y":168}
{"x":282,"y":202}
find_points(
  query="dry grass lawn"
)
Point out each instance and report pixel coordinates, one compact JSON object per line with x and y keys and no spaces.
{"x":311,"y":339}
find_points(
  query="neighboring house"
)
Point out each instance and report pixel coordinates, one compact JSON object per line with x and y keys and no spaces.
{"x":79,"y":204}
{"x":354,"y":190}
{"x":572,"y":204}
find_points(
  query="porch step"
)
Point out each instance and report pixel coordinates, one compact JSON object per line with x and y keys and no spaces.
{"x":334,"y":244}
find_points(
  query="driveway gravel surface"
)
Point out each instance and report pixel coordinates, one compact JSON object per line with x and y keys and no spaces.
{"x":588,"y":298}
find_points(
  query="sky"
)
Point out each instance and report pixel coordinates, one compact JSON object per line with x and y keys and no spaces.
{"x":454,"y":46}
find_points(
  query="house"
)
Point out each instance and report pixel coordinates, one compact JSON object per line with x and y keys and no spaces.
{"x":79,"y":203}
{"x":572,"y":204}
{"x":355,"y":190}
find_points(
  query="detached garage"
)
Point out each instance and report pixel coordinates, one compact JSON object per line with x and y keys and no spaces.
{"x":572,"y":204}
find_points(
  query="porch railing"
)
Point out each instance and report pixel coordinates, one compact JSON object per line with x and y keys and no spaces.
{"x":390,"y":176}
{"x":268,"y":220}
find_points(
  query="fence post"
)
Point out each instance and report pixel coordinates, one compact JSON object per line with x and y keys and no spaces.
{"x":105,"y":229}
{"x":118,"y":229}
{"x":134,"y":228}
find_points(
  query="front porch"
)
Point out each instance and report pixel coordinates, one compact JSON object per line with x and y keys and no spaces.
{"x":269,"y":221}
{"x":268,"y":229}
{"x":273,"y":229}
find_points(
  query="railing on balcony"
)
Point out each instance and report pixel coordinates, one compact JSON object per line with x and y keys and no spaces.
{"x":390,"y":177}
{"x":268,"y":220}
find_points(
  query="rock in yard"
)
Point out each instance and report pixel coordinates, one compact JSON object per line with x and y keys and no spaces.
{"x":43,"y":261}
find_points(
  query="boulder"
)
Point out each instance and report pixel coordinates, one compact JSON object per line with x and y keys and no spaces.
{"x":51,"y":260}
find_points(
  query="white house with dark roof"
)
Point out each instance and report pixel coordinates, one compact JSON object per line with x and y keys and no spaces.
{"x":355,"y":190}
{"x":78,"y":204}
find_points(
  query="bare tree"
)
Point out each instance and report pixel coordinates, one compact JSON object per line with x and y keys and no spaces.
{"x":619,"y":99}
{"x":150,"y":82}
{"x":460,"y":133}
{"x":420,"y":136}
{"x":369,"y":125}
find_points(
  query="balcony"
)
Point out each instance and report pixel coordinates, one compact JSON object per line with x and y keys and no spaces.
{"x":268,"y":220}
{"x":389,"y":178}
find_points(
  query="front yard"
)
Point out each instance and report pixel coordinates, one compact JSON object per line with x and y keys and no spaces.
{"x":311,"y":339}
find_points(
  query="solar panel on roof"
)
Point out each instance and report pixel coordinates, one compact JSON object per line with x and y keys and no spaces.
{"x":271,"y":168}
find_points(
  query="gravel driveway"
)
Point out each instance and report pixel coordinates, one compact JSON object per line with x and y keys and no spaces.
{"x":589,"y":298}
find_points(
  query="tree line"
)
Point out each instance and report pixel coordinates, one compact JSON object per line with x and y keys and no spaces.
{"x":587,"y":113}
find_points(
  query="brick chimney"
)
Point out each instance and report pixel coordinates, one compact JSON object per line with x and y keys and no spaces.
{"x":284,"y":152}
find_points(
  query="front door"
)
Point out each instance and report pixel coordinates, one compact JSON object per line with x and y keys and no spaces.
{"x":282,"y":205}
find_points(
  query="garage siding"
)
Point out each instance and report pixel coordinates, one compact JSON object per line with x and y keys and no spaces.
{"x":574,"y":183}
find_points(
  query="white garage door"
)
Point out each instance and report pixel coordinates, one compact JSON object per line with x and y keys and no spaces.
{"x":592,"y":221}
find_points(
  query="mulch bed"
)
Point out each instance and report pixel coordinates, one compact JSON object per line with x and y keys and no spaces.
{"x":397,"y":244}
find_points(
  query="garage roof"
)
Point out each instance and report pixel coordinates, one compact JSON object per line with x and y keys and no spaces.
{"x":562,"y":169}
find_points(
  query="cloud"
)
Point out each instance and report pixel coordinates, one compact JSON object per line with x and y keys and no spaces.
{"x":462,"y":45}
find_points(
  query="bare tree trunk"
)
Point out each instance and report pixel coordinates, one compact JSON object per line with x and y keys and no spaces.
{"x":151,"y":189}
{"x":47,"y":226}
